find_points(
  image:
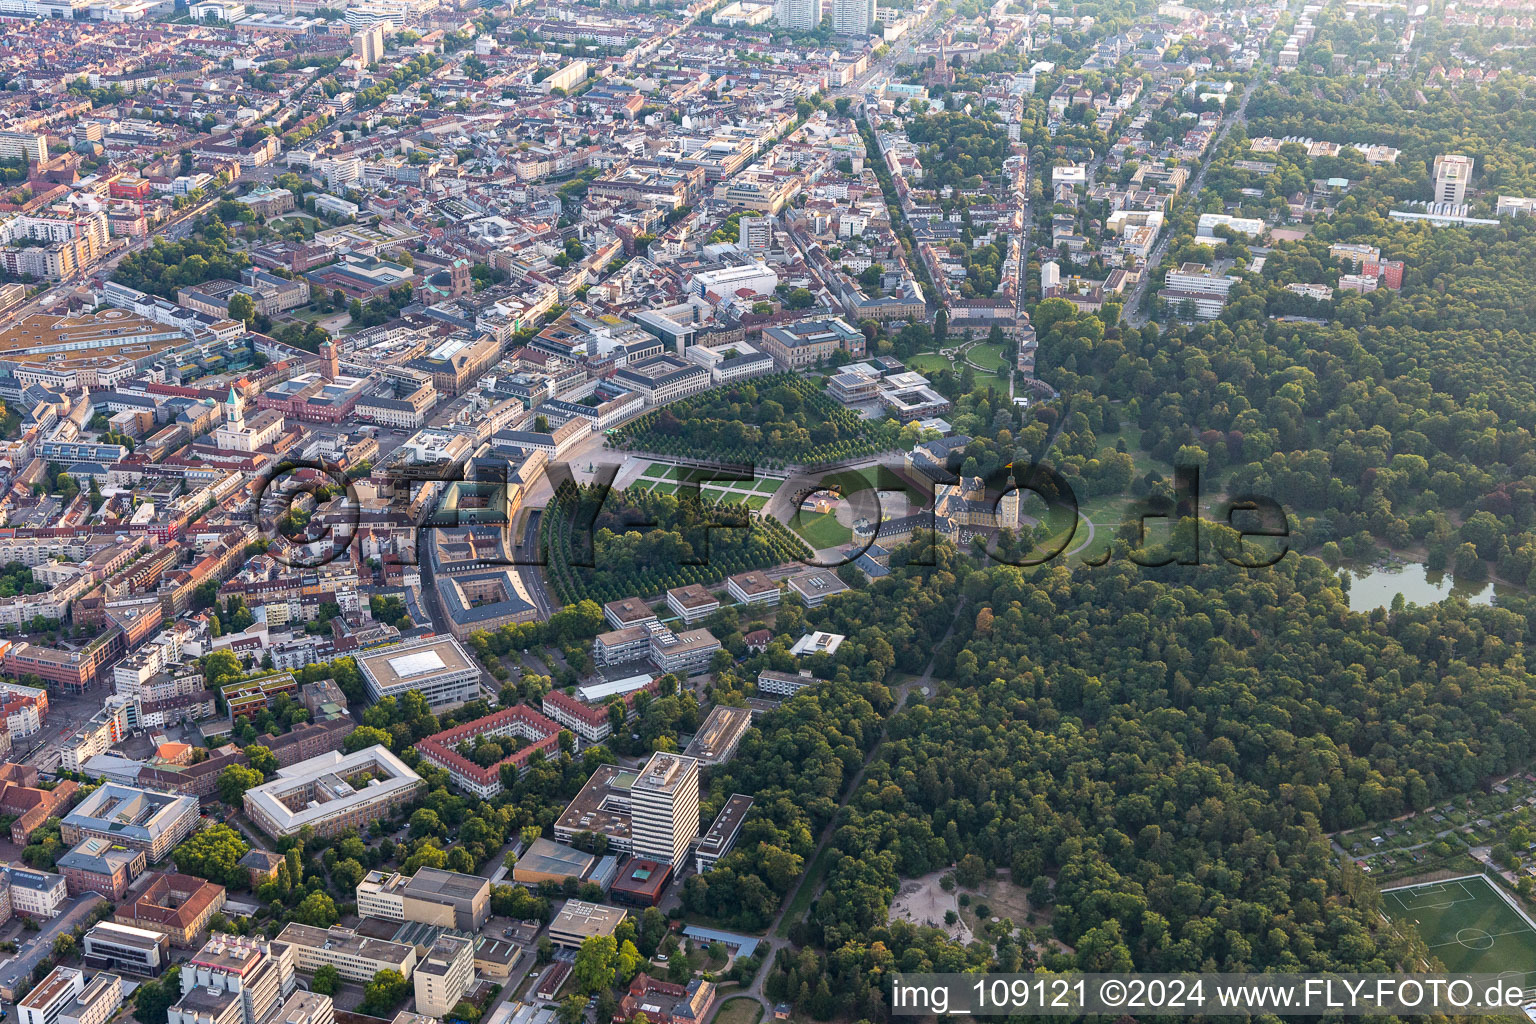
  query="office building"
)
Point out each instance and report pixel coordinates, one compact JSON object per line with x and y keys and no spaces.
{"x":46,"y":1003}
{"x":177,"y":906}
{"x":432,"y":896}
{"x":579,"y":921}
{"x":440,"y":668}
{"x":444,"y":975}
{"x":664,"y":807}
{"x":123,"y":948}
{"x":37,"y":894}
{"x":355,"y":957}
{"x":853,"y":17}
{"x":720,"y":735}
{"x":756,"y":233}
{"x":685,"y":654}
{"x":753,"y":587}
{"x":306,"y":1008}
{"x":96,"y":1003}
{"x":720,"y":837}
{"x":666,"y":378}
{"x":333,"y":792}
{"x":797,"y":15}
{"x":1453,"y":173}
{"x":692,"y":602}
{"x":546,"y":861}
{"x":100,"y":866}
{"x":140,"y":819}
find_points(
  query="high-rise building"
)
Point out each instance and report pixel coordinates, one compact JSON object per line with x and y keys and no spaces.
{"x":853,"y":17}
{"x":368,"y":45}
{"x":756,"y":234}
{"x":1453,"y":172}
{"x":797,"y":15}
{"x":664,"y":808}
{"x":30,"y":145}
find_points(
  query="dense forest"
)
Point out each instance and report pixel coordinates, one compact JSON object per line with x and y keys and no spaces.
{"x":1156,"y":755}
{"x":608,"y":545}
{"x":767,"y":421}
{"x":1408,"y":417}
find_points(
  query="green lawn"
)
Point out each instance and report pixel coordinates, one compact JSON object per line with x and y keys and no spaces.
{"x":821,"y":529}
{"x":990,"y":356}
{"x":662,"y":471}
{"x":741,"y":1010}
{"x":757,"y":501}
{"x":928,"y":363}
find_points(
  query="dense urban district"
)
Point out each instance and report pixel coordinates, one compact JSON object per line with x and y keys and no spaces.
{"x":581,"y":512}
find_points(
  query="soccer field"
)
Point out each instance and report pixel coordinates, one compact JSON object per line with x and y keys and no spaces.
{"x":1471,"y":926}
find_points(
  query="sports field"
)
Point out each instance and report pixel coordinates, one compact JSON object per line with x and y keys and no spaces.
{"x":1471,"y":926}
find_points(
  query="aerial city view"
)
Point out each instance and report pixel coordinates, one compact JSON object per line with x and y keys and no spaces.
{"x":753,"y":511}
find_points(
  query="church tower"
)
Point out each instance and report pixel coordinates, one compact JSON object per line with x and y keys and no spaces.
{"x":234,"y":414}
